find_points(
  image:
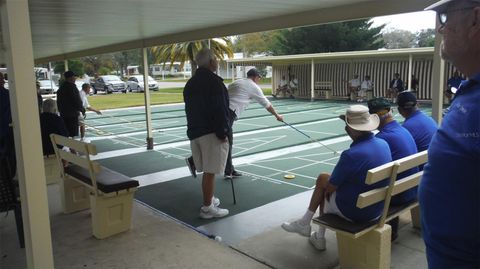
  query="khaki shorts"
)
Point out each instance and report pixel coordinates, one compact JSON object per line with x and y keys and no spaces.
{"x":81,"y":120}
{"x":209,"y":154}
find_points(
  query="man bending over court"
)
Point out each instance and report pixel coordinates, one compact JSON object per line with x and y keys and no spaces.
{"x":240,"y":93}
{"x":206,"y":106}
{"x":337,"y":193}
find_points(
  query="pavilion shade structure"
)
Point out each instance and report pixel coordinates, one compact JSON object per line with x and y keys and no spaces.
{"x":338,"y":69}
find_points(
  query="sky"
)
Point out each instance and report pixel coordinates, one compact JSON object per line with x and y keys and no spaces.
{"x":413,"y":22}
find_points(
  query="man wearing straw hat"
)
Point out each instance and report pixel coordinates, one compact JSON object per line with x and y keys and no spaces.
{"x":449,"y":192}
{"x":337,"y":193}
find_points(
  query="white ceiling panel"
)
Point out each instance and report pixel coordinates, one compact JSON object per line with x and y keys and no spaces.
{"x":66,"y":29}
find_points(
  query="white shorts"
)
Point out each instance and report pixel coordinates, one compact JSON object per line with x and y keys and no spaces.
{"x":209,"y":154}
{"x":331,"y":207}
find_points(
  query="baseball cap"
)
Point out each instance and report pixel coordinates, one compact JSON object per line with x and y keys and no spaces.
{"x":69,"y":74}
{"x":406,"y":100}
{"x":441,"y":6}
{"x":378,"y":104}
{"x":358,"y":118}
{"x":253,"y":73}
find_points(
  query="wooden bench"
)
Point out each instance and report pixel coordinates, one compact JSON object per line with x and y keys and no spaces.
{"x":323,"y":88}
{"x":368,"y":245}
{"x":85,"y":184}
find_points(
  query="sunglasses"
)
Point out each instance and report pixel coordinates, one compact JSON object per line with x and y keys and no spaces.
{"x":443,"y":16}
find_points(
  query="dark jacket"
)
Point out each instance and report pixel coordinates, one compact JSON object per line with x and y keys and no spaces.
{"x":50,"y":124}
{"x":68,"y":100}
{"x":206,"y":105}
{"x":399,"y":85}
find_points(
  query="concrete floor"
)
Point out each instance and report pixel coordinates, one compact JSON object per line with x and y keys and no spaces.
{"x":254,"y":240}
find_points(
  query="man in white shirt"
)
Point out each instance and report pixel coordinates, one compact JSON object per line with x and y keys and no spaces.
{"x":367,"y":85}
{"x":83,"y":96}
{"x":293,"y":85}
{"x":282,"y":87}
{"x":240,"y":93}
{"x":353,"y":87}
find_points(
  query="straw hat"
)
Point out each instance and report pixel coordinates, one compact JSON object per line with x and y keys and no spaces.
{"x":358,"y":118}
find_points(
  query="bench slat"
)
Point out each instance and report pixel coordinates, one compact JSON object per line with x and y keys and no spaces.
{"x":74,"y":144}
{"x":80,"y":161}
{"x":384,"y":171}
{"x":374,"y":196}
{"x":357,"y":229}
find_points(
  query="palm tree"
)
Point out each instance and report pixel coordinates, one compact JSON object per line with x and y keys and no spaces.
{"x":186,"y":51}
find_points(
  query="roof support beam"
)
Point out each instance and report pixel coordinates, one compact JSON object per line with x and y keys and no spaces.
{"x":438,"y":77}
{"x":28,"y":146}
{"x":146,"y":92}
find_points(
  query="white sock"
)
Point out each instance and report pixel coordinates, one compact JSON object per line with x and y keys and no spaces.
{"x":305,"y":220}
{"x":207,"y":208}
{"x":321,"y":232}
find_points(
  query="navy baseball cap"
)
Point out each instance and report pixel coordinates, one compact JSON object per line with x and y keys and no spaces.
{"x":253,"y":73}
{"x":441,"y":6}
{"x":406,"y":100}
{"x":69,"y":74}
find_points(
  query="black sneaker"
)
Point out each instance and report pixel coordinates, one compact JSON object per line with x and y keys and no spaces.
{"x":191,"y":166}
{"x":232,"y":175}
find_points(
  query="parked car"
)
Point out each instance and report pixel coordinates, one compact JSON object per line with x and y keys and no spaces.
{"x":135,"y":83}
{"x":47,"y":86}
{"x":109,"y":84}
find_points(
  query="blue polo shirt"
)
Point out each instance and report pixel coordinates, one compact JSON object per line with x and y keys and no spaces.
{"x":422,"y":128}
{"x":349,"y":176}
{"x":449,"y":191}
{"x":401,"y":145}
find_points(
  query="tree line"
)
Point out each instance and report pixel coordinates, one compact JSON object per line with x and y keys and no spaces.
{"x":334,"y":37}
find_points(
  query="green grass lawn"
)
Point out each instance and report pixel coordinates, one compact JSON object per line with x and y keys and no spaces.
{"x":118,"y":100}
{"x":228,"y":80}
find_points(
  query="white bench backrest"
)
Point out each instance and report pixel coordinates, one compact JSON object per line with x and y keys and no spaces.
{"x":83,"y":159}
{"x":391,"y":170}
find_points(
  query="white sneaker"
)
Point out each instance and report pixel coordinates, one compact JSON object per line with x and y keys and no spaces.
{"x":318,"y":242}
{"x":215,"y":201}
{"x":297,"y":227}
{"x":212,"y":212}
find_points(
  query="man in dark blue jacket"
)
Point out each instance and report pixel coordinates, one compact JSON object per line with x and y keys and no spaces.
{"x":395,"y":87}
{"x":206,"y":106}
{"x":69,"y":103}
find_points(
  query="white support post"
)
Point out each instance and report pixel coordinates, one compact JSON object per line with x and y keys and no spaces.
{"x":66,"y":65}
{"x":146,"y":92}
{"x":233,"y":72}
{"x":410,"y":68}
{"x":28,"y":146}
{"x":312,"y":81}
{"x":438,"y":79}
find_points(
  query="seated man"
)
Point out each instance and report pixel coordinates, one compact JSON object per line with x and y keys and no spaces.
{"x":353,"y":87}
{"x":282,"y":87}
{"x":293,"y":85}
{"x":367,"y":85}
{"x":50,"y":123}
{"x":337,"y":194}
{"x":395,"y":87}
{"x":401,"y":145}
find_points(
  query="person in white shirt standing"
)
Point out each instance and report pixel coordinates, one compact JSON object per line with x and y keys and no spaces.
{"x":240,"y":93}
{"x":83,"y":96}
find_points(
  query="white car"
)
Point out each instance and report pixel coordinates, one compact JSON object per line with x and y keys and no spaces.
{"x":135,"y":83}
{"x":47,"y":86}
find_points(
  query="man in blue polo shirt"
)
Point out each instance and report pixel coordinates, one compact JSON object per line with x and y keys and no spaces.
{"x":449,"y":192}
{"x":401,"y":145}
{"x":420,"y":126}
{"x":338,"y":193}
